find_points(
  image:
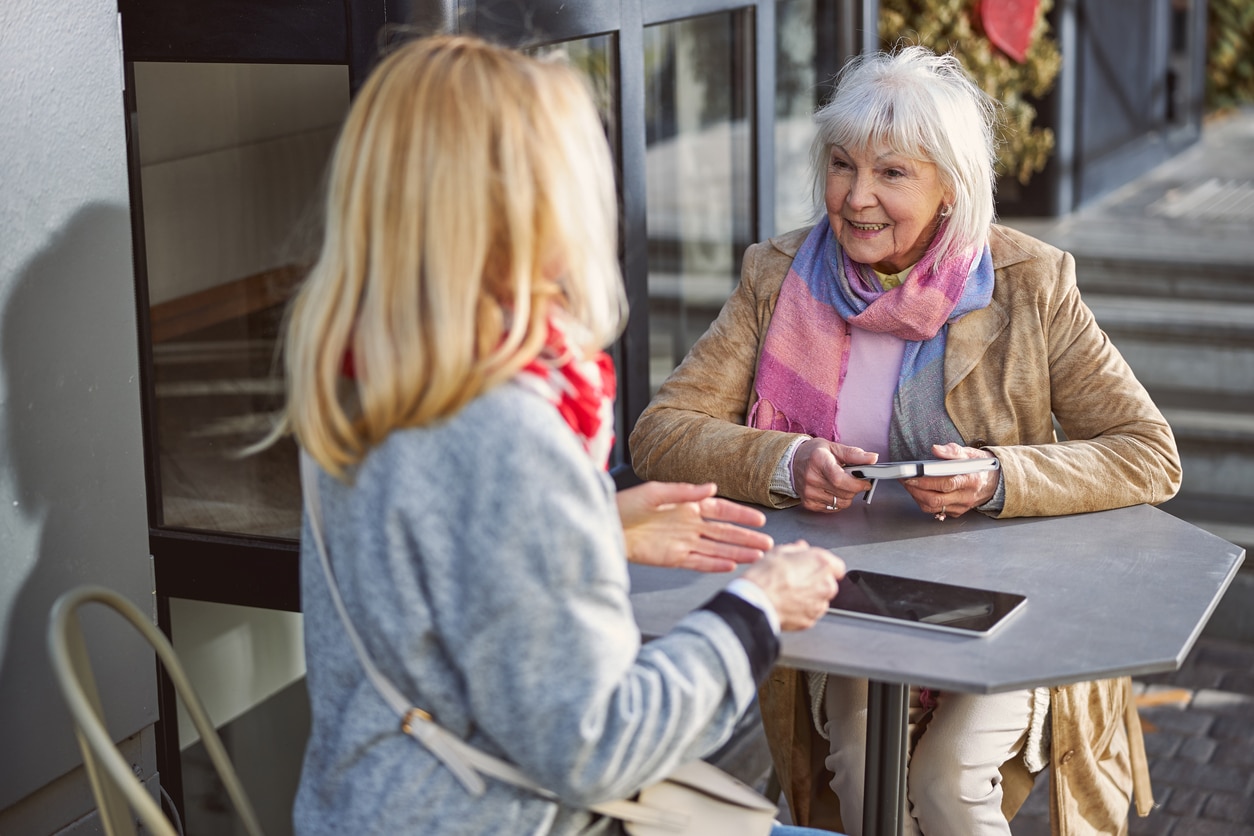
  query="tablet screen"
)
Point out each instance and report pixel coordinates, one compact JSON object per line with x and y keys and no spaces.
{"x":941,"y":606}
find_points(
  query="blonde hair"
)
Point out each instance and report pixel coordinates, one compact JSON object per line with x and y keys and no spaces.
{"x":470,"y":194}
{"x":924,"y":106}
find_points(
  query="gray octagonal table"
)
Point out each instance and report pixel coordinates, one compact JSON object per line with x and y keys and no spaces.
{"x":1113,"y":593}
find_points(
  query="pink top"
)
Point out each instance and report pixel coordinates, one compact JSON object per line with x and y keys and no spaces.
{"x":866,"y":396}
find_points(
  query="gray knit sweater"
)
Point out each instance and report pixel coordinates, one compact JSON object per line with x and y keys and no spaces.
{"x":482,"y":561}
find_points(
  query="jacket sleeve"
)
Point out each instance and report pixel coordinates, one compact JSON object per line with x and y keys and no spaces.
{"x":694,"y":428}
{"x":1117,"y":448}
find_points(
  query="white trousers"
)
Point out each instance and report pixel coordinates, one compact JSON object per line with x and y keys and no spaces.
{"x":953,"y":782}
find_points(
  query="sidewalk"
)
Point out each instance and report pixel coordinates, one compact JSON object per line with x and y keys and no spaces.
{"x":1195,"y":208}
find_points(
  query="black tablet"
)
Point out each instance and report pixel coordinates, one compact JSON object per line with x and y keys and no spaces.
{"x":937,"y":606}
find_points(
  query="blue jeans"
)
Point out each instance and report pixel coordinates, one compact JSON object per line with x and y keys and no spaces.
{"x":794,"y":830}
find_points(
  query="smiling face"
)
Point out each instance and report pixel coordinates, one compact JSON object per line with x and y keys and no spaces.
{"x":883,"y":207}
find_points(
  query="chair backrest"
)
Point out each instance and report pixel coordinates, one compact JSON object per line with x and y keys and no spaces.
{"x":116,"y":788}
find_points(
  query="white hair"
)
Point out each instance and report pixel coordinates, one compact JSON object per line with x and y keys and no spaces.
{"x":923,"y":106}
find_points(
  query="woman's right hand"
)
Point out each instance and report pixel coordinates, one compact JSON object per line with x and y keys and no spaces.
{"x":800,"y":580}
{"x":818,"y":478}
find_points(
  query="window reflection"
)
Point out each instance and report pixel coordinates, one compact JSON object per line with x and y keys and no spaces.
{"x":813,"y":38}
{"x":231,"y":160}
{"x":698,"y":106}
{"x":795,"y":90}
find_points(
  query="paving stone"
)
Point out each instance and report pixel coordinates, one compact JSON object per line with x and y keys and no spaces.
{"x":1210,"y":700}
{"x":1229,"y":753}
{"x":1164,"y":694}
{"x":1242,"y":682}
{"x":1178,"y":721}
{"x":1236,"y":727}
{"x":1185,"y":801}
{"x":1037,"y":803}
{"x":1228,"y":655}
{"x":1164,"y":745}
{"x":1206,"y":827}
{"x":1030,"y":826}
{"x":1202,"y":776}
{"x":1197,"y":749}
{"x":1157,"y":823}
{"x":1198,"y":677}
{"x":1229,"y":807}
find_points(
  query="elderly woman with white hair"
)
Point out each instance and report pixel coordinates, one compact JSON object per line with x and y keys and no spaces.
{"x":905,"y":324}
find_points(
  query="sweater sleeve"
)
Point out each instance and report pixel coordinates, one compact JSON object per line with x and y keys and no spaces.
{"x":524,"y":572}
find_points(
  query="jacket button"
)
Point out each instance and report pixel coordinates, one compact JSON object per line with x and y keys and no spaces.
{"x":979,"y":444}
{"x":1070,"y":753}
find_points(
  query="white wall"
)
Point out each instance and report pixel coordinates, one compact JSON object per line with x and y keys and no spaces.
{"x":71,"y":461}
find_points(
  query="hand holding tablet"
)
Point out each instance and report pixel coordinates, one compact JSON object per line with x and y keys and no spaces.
{"x":917,"y":467}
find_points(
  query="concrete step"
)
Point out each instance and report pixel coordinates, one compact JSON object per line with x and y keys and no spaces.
{"x":1196,"y":358}
{"x":1199,"y":345}
{"x":1172,"y":278}
{"x":1215,"y":435}
{"x":1230,"y":518}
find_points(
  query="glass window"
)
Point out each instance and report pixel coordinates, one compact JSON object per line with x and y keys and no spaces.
{"x":232,"y":162}
{"x":796,"y":86}
{"x":699,"y":167}
{"x":813,"y":40}
{"x":232,"y":157}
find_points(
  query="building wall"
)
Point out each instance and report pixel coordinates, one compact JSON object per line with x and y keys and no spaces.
{"x":72,"y":506}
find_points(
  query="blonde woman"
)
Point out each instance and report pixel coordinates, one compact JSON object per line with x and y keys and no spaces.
{"x":445,"y":373}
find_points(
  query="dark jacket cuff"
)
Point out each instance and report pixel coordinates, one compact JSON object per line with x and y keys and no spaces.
{"x":753,"y":629}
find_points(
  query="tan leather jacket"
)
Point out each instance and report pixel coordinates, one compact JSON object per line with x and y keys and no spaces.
{"x":1033,"y":356}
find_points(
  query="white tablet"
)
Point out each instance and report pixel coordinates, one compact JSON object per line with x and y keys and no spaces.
{"x":964,"y":610}
{"x":920,"y":467}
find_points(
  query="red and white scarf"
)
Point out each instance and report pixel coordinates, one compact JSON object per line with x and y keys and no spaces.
{"x":581,"y":388}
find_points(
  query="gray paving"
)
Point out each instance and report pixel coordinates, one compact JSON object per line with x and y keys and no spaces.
{"x":1199,"y":735}
{"x":1196,"y":209}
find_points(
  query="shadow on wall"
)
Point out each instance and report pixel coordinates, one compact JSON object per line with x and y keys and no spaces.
{"x":73,"y":460}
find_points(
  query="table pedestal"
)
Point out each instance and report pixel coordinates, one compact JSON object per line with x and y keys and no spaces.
{"x":887,"y":722}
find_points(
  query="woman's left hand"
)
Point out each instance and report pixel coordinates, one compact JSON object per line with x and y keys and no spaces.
{"x":687,"y":527}
{"x":953,"y":496}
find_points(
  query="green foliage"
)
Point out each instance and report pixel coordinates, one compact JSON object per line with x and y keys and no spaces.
{"x":947,"y":26}
{"x":1230,"y":53}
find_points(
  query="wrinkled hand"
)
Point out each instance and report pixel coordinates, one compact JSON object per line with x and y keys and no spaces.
{"x":817,"y":477}
{"x":687,"y":527}
{"x":953,"y":496}
{"x":800,"y":580}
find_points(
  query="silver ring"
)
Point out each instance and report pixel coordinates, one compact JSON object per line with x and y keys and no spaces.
{"x":834,"y":506}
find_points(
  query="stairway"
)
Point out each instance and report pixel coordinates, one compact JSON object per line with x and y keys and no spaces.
{"x":1189,"y":336}
{"x":1166,"y":262}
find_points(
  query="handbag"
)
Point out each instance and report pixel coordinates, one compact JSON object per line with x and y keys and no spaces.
{"x":696,"y":799}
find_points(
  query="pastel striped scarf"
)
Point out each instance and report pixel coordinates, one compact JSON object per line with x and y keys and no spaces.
{"x":805,"y":354}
